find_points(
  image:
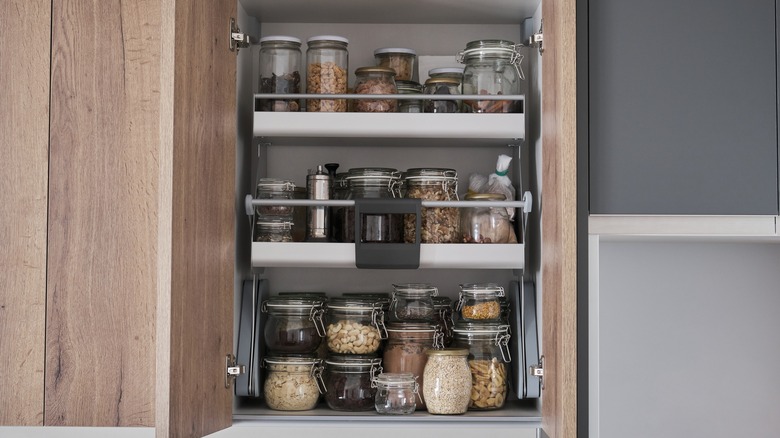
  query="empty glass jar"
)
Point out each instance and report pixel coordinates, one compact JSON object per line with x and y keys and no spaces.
{"x":413,"y":302}
{"x":396,"y":393}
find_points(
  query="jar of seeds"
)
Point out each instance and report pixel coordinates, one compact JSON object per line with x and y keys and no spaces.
{"x":438,"y":224}
{"x":447,"y":381}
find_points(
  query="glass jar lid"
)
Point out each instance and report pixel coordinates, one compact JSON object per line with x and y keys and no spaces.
{"x":374,"y":69}
{"x":293,"y":359}
{"x":354,"y":303}
{"x":356,"y":362}
{"x":273,"y":184}
{"x":496,"y":333}
{"x":395,"y":380}
{"x":314,"y":307}
{"x":294,"y":301}
{"x":431,"y":173}
{"x":490,"y":49}
{"x":408,"y":87}
{"x":481,"y":290}
{"x":442,"y":80}
{"x":280,"y":38}
{"x":442,"y":303}
{"x":445,"y":71}
{"x":385,"y":50}
{"x":406,"y":327}
{"x":485,"y":197}
{"x":274,"y":225}
{"x":448,"y":352}
{"x":336,"y":38}
{"x":415,"y":290}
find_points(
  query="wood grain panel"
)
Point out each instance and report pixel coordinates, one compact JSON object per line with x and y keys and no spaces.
{"x":559,"y":219}
{"x":200,"y":141}
{"x":25,"y":30}
{"x":102,"y":257}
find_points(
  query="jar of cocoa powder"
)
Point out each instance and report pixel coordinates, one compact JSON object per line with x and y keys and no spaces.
{"x":406,"y":348}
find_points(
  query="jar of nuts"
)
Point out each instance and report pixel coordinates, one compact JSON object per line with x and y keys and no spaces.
{"x":480,"y":301}
{"x":293,"y":382}
{"x":375,"y":80}
{"x":280,"y":64}
{"x":447,"y":381}
{"x":327,"y":67}
{"x":354,"y":325}
{"x":493,"y":67}
{"x":273,"y":230}
{"x":294,"y":324}
{"x":403,"y":61}
{"x":488,"y":361}
{"x":413,"y":302}
{"x":438,"y":224}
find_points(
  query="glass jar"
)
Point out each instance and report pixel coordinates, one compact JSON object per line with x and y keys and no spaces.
{"x":355,"y":326}
{"x":438,"y":224}
{"x":480,"y":301}
{"x":271,"y":188}
{"x":340,"y":192}
{"x":402,"y":61}
{"x":293,"y":382}
{"x":493,"y":67}
{"x":442,"y":312}
{"x":373,"y":183}
{"x":447,"y":381}
{"x":348,"y":382}
{"x":447,"y":72}
{"x":412,"y":302}
{"x":327,"y":68}
{"x":409,"y":87}
{"x":375,"y":80}
{"x":396,"y":393}
{"x":406,"y":347}
{"x":488,"y":361}
{"x":441,"y":86}
{"x":294,"y":324}
{"x":280,"y":64}
{"x":273,"y":230}
{"x":485,"y":224}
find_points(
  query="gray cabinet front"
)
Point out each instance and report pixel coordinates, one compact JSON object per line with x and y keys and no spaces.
{"x":682,"y":107}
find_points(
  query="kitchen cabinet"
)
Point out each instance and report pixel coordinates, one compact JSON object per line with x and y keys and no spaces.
{"x":682,"y":108}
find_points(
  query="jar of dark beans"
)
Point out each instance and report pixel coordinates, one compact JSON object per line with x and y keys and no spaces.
{"x":348,"y":381}
{"x":294,"y":324}
{"x":412,"y":302}
{"x":280,"y":61}
{"x":373,"y":183}
{"x":442,"y":86}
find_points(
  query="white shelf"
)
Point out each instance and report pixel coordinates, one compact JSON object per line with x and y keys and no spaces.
{"x":764,"y":227}
{"x":432,"y":256}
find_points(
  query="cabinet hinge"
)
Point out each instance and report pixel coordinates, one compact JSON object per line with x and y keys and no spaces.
{"x":538,"y":371}
{"x":537,"y":39}
{"x":232,"y":369}
{"x":238,"y":40}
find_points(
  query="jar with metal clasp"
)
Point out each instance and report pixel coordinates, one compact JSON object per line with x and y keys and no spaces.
{"x":492,"y":67}
{"x":293,"y":382}
{"x":294,"y":324}
{"x":438,"y":224}
{"x":396,"y":393}
{"x":348,"y":380}
{"x":413,"y":302}
{"x":406,"y":347}
{"x":354,"y":325}
{"x":480,"y":302}
{"x":489,"y":357}
{"x":372,"y":183}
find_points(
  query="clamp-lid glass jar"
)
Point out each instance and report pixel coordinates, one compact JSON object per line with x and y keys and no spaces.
{"x":396,"y":393}
{"x":486,"y":224}
{"x":273,"y":230}
{"x":402,"y":60}
{"x":411,"y":105}
{"x":488,"y":358}
{"x":280,"y":64}
{"x":447,"y":72}
{"x":327,"y":68}
{"x":438,"y":224}
{"x":441,"y":86}
{"x":406,"y":347}
{"x":293,"y":382}
{"x":443,"y":315}
{"x":375,"y":80}
{"x":355,"y":325}
{"x":480,"y":301}
{"x":373,"y":183}
{"x":272,"y":188}
{"x":447,"y":381}
{"x":413,"y":302}
{"x":294,"y":324}
{"x":492,"y":67}
{"x":348,"y":381}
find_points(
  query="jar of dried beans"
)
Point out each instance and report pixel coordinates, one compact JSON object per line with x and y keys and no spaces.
{"x":348,"y":381}
{"x":438,"y":224}
{"x":488,"y":361}
{"x":480,"y":301}
{"x":492,"y":67}
{"x":447,"y":381}
{"x":372,"y":183}
{"x":406,"y":347}
{"x":327,"y":67}
{"x":280,"y":61}
{"x":375,"y":80}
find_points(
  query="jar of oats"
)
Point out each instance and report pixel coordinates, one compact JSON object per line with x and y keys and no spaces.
{"x":327,"y":67}
{"x":488,"y":361}
{"x":447,"y":381}
{"x":375,"y":80}
{"x":480,"y":302}
{"x":293,"y":382}
{"x":438,"y":224}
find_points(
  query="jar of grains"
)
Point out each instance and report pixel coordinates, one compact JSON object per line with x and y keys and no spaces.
{"x":372,"y":183}
{"x":406,"y":347}
{"x":403,"y":61}
{"x":485,"y":224}
{"x":488,"y":361}
{"x":409,"y":87}
{"x":294,"y":324}
{"x":438,"y":224}
{"x":396,"y":393}
{"x":348,"y":381}
{"x":413,"y":302}
{"x":442,"y":315}
{"x":447,"y":381}
{"x":273,"y":230}
{"x":439,"y":87}
{"x":355,"y":325}
{"x":293,"y":382}
{"x":280,"y":61}
{"x":375,"y":80}
{"x":327,"y":67}
{"x":493,"y":67}
{"x":480,"y":301}
{"x":271,"y":188}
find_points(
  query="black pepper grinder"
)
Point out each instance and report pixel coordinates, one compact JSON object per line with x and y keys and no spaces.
{"x":318,"y":186}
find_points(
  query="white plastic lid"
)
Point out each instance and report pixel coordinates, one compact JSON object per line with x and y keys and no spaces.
{"x":445,"y":70}
{"x":328,"y":38}
{"x":394,"y":50}
{"x":291,"y":39}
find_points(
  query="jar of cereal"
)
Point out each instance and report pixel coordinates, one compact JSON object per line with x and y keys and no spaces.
{"x":327,"y":66}
{"x":438,"y":224}
{"x":293,"y":382}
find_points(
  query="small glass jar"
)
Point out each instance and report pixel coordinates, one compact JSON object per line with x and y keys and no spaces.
{"x":375,"y":80}
{"x":442,"y":308}
{"x":441,"y":86}
{"x":327,"y":68}
{"x":348,"y":382}
{"x":480,"y":302}
{"x":355,"y":326}
{"x":293,"y":382}
{"x":447,"y":381}
{"x":271,"y":188}
{"x":413,"y":302}
{"x":280,"y":64}
{"x":396,"y":393}
{"x":438,"y":224}
{"x":294,"y":324}
{"x":273,"y":230}
{"x":372,"y":183}
{"x":402,"y":61}
{"x":406,"y":347}
{"x":493,"y":67}
{"x":447,"y":72}
{"x":409,"y":87}
{"x":489,"y":357}
{"x":485,"y":224}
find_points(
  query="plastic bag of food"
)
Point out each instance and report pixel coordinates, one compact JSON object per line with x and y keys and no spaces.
{"x":499,"y":182}
{"x":477,"y":183}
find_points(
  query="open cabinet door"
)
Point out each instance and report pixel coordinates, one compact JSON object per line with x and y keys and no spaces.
{"x":559,"y":219}
{"x":197,"y":214}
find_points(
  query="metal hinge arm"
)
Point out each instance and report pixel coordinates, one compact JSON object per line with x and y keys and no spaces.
{"x":238,"y":40}
{"x":232,"y":369}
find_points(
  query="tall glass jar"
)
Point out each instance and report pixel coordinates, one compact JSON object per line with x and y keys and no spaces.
{"x":293,"y":382}
{"x":355,"y":326}
{"x":438,"y":224}
{"x":480,"y":302}
{"x":348,"y":380}
{"x":327,"y":69}
{"x":441,"y":86}
{"x":409,"y":87}
{"x":406,"y":347}
{"x":396,"y":393}
{"x":375,"y":80}
{"x":493,"y":67}
{"x":489,"y":357}
{"x":486,"y":224}
{"x":280,"y":64}
{"x":447,"y":381}
{"x":413,"y":302}
{"x":294,"y":324}
{"x":372,"y":183}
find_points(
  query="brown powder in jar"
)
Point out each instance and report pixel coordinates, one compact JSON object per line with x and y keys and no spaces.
{"x":406,"y":358}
